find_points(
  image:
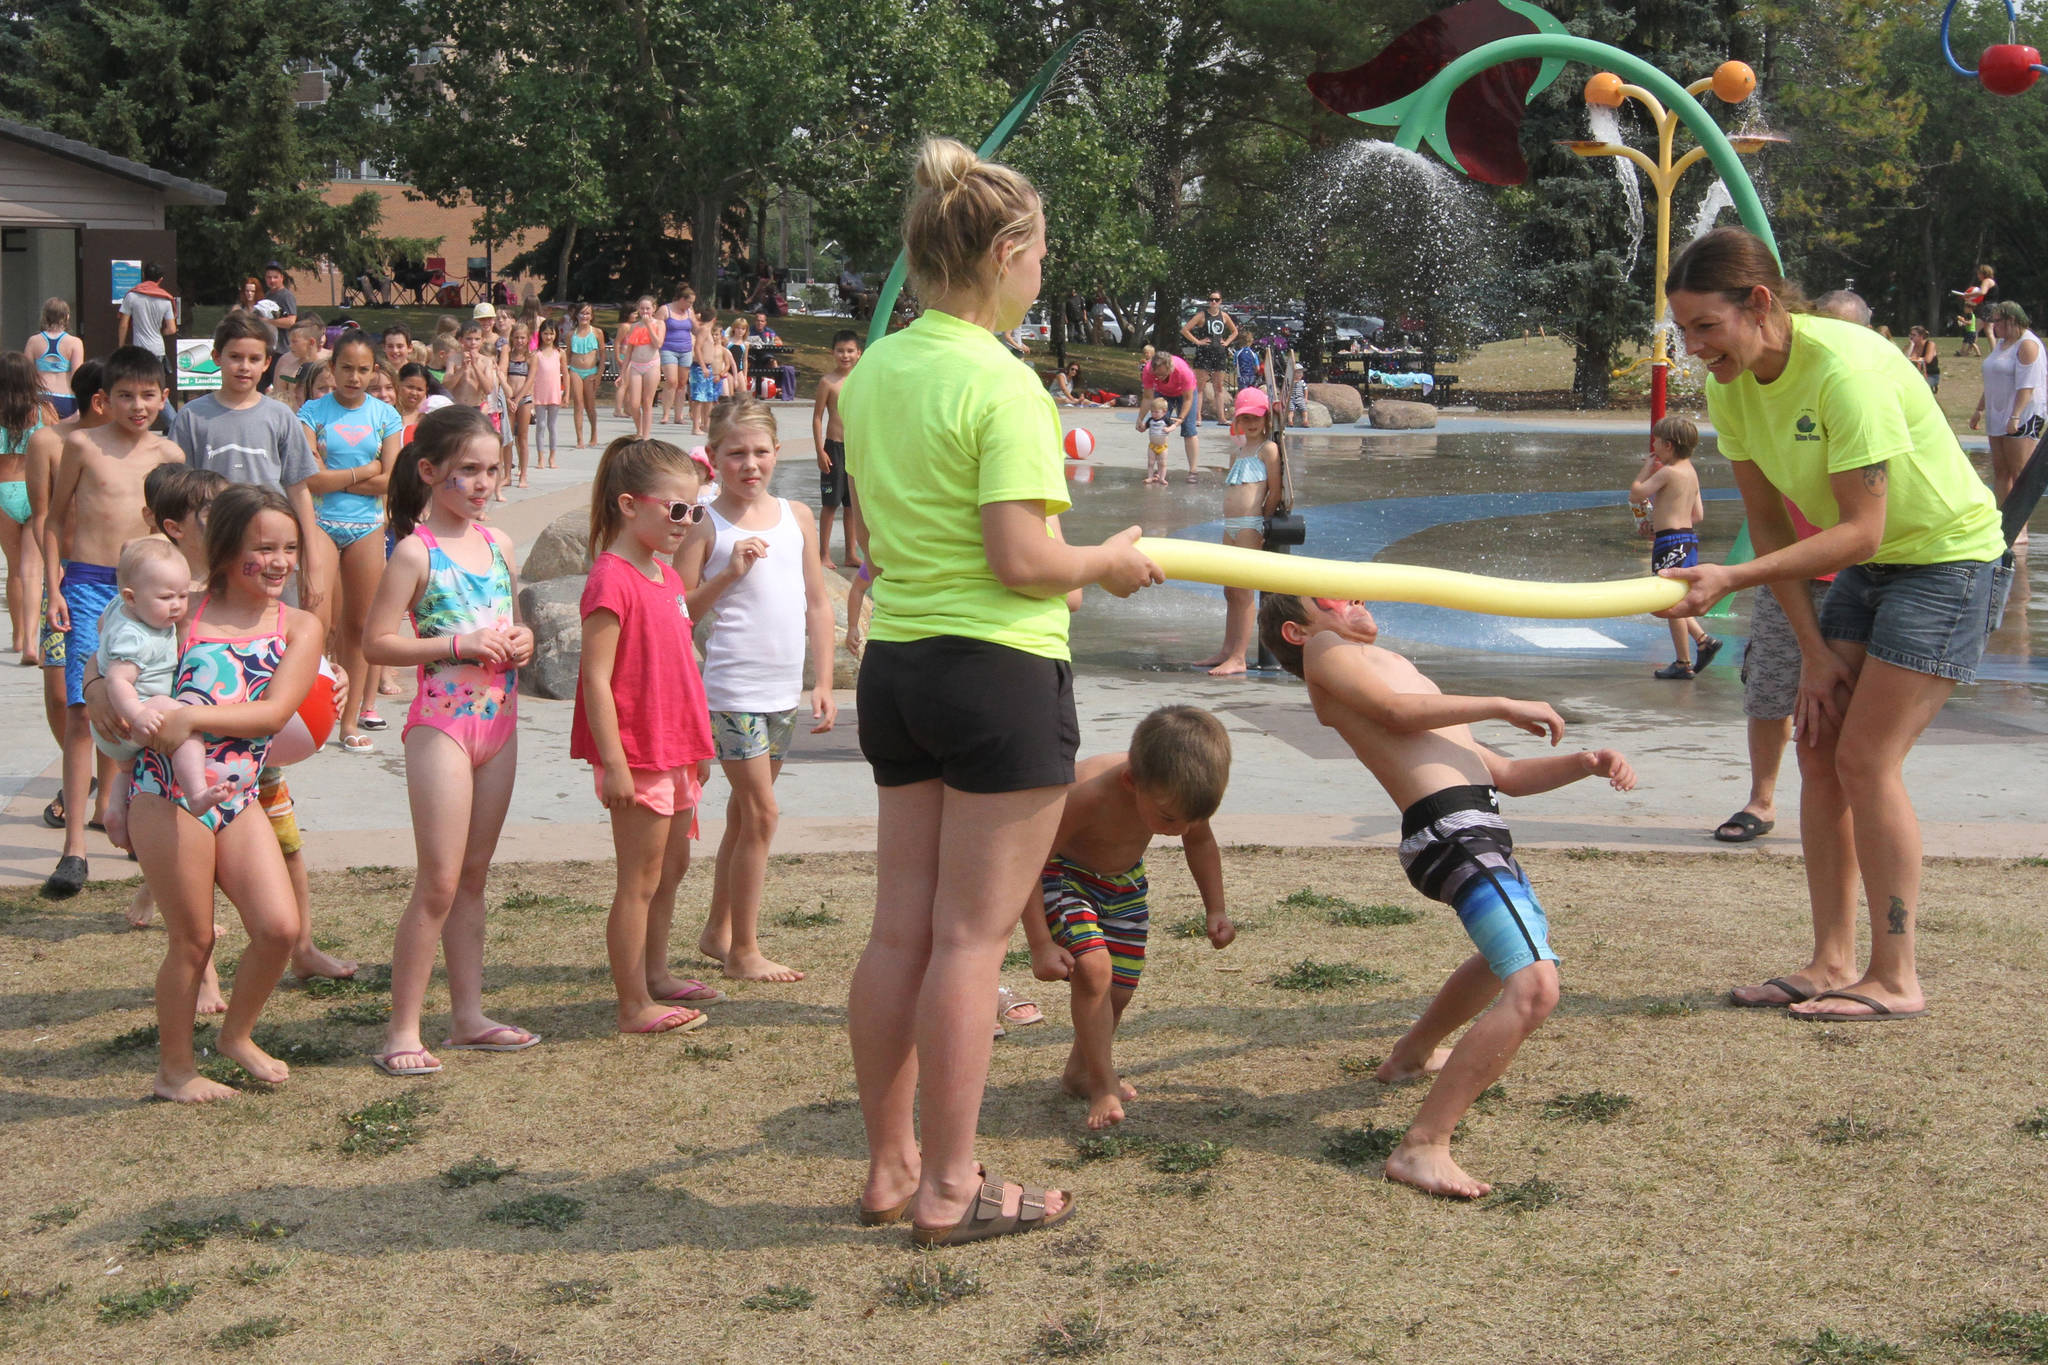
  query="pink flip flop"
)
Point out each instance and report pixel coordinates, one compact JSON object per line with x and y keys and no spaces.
{"x":386,"y":1062}
{"x":521,"y":1040}
{"x":663,"y":1024}
{"x":694,"y":992}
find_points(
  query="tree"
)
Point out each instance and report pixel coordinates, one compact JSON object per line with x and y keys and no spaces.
{"x":206,"y":89}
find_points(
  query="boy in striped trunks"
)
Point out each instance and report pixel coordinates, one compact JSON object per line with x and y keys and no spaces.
{"x":1455,"y":847}
{"x":1088,"y":925}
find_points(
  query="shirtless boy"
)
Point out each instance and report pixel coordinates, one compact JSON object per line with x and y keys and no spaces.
{"x":98,"y":493}
{"x":709,"y":363}
{"x":1455,"y":848}
{"x":1670,"y":484}
{"x":829,"y":435}
{"x":1087,"y":924}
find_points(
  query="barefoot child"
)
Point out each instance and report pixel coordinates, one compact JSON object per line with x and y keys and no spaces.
{"x":1251,"y":493}
{"x":454,"y":578}
{"x":754,"y":580}
{"x":1455,"y":847}
{"x":138,"y":655}
{"x":1087,"y":922}
{"x":249,"y":663}
{"x":547,"y":393}
{"x":829,"y":435}
{"x":1670,"y":484}
{"x":708,"y":363}
{"x":640,"y":718}
{"x":1156,"y":431}
{"x":98,"y":494}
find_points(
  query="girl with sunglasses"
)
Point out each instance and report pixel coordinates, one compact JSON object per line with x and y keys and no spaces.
{"x":454,"y":577}
{"x":641,"y":720}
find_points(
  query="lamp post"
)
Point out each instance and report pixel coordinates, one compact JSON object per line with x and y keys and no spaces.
{"x":1732,"y":82}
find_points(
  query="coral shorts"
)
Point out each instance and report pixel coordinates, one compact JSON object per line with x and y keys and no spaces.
{"x":661,"y":790}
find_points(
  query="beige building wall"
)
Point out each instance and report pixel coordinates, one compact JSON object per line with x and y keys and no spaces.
{"x":37,"y":188}
{"x":404,"y":216}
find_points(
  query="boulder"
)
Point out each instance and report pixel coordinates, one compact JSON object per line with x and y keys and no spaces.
{"x":1343,"y":401}
{"x":1396,"y":415}
{"x":563,"y":548}
{"x":552,"y":610}
{"x":1314,"y":414}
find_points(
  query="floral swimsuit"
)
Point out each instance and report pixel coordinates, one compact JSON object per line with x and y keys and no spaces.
{"x":475,"y":704}
{"x":218,"y":670}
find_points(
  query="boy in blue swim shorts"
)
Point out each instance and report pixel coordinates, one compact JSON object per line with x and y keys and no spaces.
{"x":1455,"y":847}
{"x":1670,"y":486}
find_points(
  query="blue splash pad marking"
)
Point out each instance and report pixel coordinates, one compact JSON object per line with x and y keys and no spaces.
{"x":1361,"y":531}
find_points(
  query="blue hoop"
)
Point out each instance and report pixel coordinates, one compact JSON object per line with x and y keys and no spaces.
{"x":2012,"y":35}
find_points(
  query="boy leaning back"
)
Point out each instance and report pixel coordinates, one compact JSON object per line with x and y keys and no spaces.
{"x":1087,"y":924}
{"x":1455,"y":848}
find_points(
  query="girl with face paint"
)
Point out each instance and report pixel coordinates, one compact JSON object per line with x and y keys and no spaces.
{"x":453,"y":577}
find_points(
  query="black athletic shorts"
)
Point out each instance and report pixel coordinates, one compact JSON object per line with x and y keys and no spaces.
{"x":981,"y":717}
{"x":1213,"y":355}
{"x":832,"y":482}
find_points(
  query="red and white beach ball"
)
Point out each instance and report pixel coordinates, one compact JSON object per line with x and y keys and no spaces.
{"x":1080,"y":443}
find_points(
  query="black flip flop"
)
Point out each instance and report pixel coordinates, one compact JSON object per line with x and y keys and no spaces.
{"x":1747,"y":827}
{"x":1798,"y":993}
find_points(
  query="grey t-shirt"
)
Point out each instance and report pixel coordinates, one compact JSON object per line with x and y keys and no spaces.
{"x":287,"y":307}
{"x":262,"y":444}
{"x":146,"y":318}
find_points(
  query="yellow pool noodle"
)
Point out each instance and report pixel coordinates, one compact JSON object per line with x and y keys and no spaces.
{"x":1233,"y":566}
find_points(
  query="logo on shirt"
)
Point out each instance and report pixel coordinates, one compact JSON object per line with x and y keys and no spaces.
{"x":683,"y":606}
{"x":355,"y":433}
{"x":1806,"y":429}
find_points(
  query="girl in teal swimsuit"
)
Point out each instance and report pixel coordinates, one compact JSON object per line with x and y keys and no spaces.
{"x":21,"y":416}
{"x":586,"y":359}
{"x":1250,"y":492}
{"x":249,"y":662}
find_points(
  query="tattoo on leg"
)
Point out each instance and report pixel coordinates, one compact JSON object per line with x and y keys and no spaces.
{"x":1875,"y":477}
{"x":1895,"y":918}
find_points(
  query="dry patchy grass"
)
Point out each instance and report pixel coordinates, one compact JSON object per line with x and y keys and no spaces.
{"x":1768,"y":1195}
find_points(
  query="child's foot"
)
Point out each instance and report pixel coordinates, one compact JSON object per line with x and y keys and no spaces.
{"x":255,"y":1061}
{"x":713,"y":947}
{"x":1678,"y":670}
{"x":1228,"y":668}
{"x":1394,"y":1071}
{"x":490,"y":1036}
{"x":1214,"y":659}
{"x":754,"y":967}
{"x":194,"y":1089}
{"x":141,"y":912}
{"x":1072,"y":1083}
{"x":210,"y":1001}
{"x":1705,"y":650}
{"x":1429,"y":1168}
{"x":199,"y":805}
{"x":680,"y":990}
{"x":659,"y":1019}
{"x":313,"y":962}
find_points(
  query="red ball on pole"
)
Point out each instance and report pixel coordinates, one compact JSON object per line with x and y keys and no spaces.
{"x":2008,"y":68}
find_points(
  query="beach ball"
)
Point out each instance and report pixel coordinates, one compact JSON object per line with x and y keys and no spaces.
{"x":2008,"y":68}
{"x":1080,"y":443}
{"x":1734,"y":82}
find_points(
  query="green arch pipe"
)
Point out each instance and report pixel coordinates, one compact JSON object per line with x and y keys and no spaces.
{"x":1424,"y":117}
{"x":885,"y":302}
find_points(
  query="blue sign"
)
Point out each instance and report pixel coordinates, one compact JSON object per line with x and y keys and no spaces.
{"x":127,"y":274}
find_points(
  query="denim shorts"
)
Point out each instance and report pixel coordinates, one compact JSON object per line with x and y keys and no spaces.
{"x":1928,"y":618}
{"x":1182,"y":410}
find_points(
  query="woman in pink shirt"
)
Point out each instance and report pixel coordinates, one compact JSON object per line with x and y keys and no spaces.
{"x":1171,"y":378}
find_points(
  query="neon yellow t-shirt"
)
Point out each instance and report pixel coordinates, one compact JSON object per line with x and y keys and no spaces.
{"x":940,"y":421}
{"x":1848,"y":399}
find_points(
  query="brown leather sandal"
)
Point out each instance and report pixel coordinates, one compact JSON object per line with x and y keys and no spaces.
{"x":985,"y":1218}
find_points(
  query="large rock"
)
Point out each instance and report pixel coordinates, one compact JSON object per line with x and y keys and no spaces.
{"x":1343,"y":401}
{"x":1314,"y":414}
{"x":845,"y":667}
{"x":1395,"y":414}
{"x":552,"y":609}
{"x":563,"y":548}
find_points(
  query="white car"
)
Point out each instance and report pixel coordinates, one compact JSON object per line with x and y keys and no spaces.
{"x":1034,"y":327}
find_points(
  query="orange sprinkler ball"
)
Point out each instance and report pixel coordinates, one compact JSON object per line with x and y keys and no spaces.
{"x":1604,"y":90}
{"x":1734,"y":82}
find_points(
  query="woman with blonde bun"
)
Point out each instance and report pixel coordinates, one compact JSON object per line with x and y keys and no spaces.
{"x":966,"y":696}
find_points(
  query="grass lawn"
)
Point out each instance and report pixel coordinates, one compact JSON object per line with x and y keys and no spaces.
{"x":1676,"y":1180}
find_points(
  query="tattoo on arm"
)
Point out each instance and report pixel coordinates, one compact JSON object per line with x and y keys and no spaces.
{"x":1895,"y":918}
{"x":1875,"y":477}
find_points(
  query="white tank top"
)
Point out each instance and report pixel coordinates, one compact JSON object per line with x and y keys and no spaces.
{"x":754,"y":634}
{"x":2004,"y":377}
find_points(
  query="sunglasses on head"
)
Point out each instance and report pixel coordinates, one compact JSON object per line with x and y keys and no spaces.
{"x":688,"y":513}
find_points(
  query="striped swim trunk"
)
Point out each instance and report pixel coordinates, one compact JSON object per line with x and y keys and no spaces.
{"x":1456,"y":849}
{"x":1088,"y":912}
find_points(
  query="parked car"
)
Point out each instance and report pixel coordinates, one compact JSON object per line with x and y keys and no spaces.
{"x":1357,"y":327}
{"x":1035,"y":327}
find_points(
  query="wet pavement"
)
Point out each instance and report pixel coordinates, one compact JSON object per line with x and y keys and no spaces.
{"x":1540,"y":500}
